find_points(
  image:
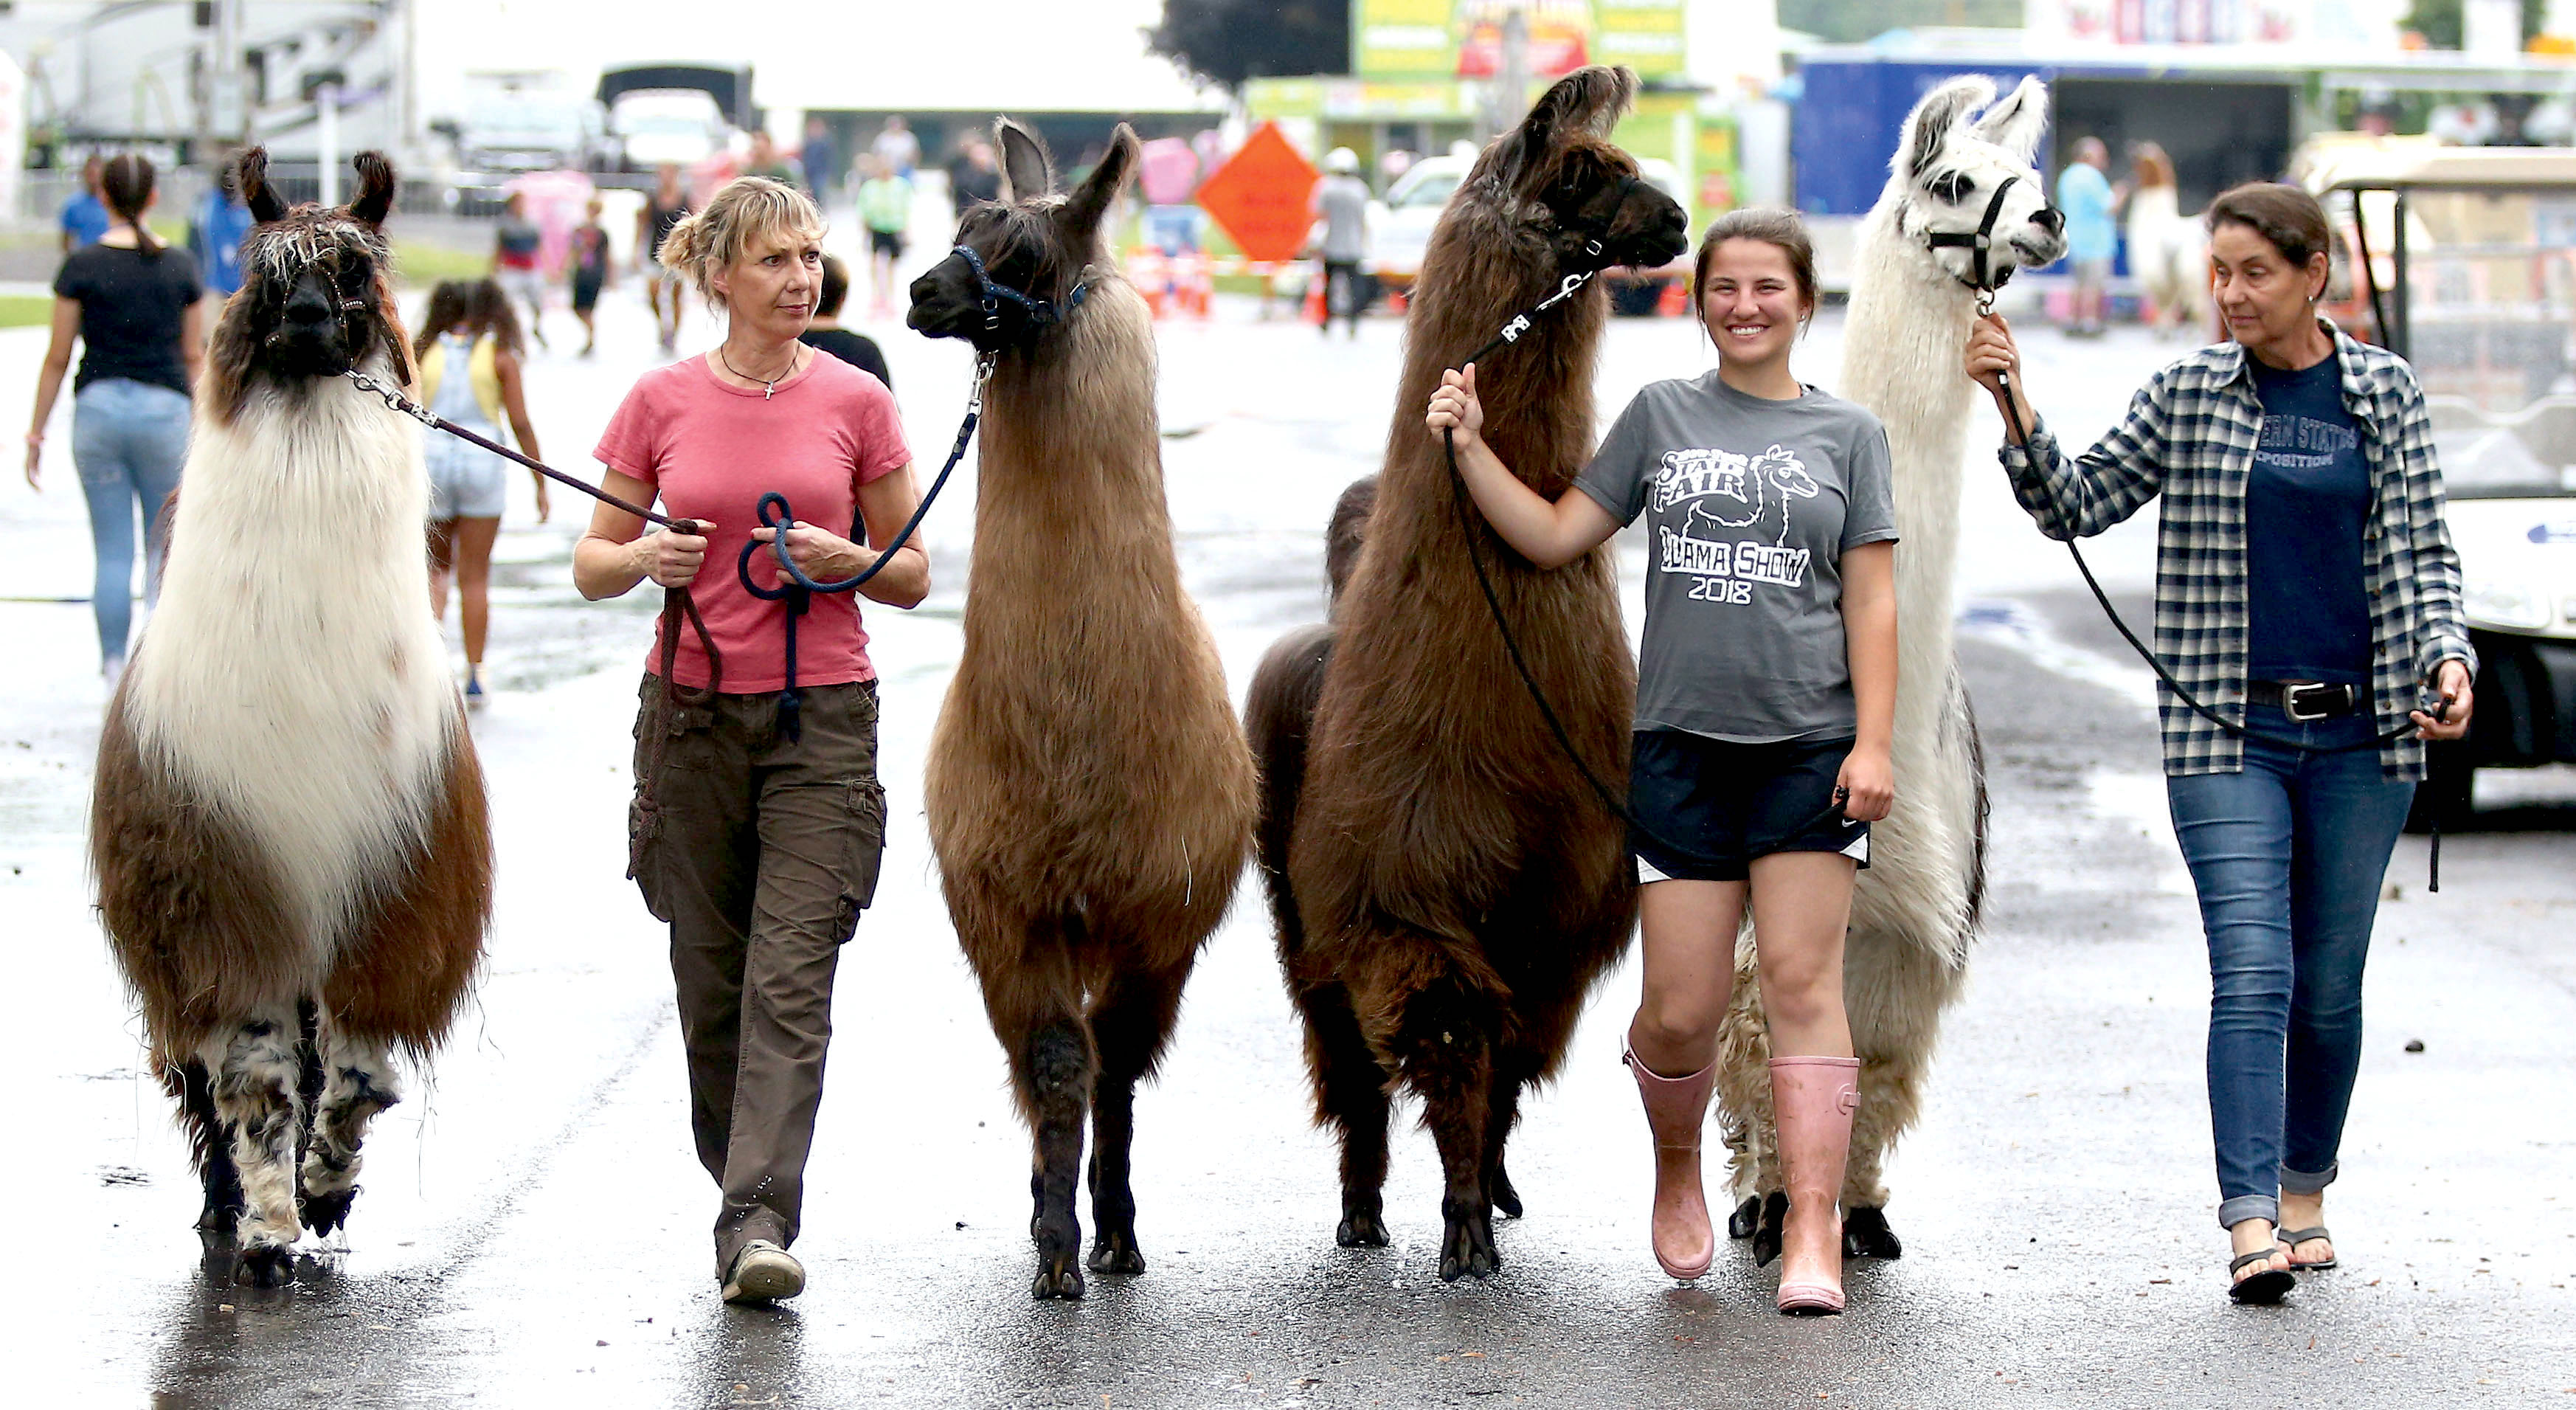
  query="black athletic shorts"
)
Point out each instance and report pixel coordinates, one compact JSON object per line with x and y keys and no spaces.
{"x":885,"y":242}
{"x":1730,"y":803}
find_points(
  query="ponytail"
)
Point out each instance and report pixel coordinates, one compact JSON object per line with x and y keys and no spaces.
{"x":126,"y":185}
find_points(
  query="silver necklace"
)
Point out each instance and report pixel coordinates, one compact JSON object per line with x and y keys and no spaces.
{"x":768,"y":387}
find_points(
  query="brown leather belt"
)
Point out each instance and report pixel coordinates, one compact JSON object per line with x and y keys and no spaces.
{"x":2305,"y":701}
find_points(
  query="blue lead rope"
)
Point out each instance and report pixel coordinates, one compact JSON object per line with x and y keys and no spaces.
{"x":799,"y":589}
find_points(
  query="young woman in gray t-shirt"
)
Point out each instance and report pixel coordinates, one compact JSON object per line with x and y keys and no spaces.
{"x":1765,"y":696}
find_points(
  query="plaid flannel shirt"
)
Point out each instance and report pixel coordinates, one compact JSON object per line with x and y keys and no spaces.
{"x":2190,"y":435}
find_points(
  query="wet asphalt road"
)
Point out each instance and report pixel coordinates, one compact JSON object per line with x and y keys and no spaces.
{"x":533,"y":1230}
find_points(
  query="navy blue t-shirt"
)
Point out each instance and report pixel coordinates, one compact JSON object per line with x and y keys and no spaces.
{"x":2307,"y":613}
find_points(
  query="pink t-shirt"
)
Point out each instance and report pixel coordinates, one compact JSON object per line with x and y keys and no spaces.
{"x":710,"y":451}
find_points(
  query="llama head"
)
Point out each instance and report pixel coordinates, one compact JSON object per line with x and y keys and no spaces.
{"x":1560,"y":167}
{"x":1035,"y":241}
{"x":316,"y":300}
{"x":1949,"y":163}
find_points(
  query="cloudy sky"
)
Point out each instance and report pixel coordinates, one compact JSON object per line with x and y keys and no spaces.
{"x":1026,"y":54}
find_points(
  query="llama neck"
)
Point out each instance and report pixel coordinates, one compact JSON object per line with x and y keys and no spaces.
{"x":293,"y":674}
{"x":1902,"y":346}
{"x":1070,"y":469}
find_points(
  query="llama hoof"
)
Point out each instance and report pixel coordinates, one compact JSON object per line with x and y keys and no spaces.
{"x":1506,"y":1199}
{"x":265,"y":1266}
{"x":1866,"y":1235}
{"x":1058,"y":1278}
{"x":1116,"y":1255}
{"x":1467,"y":1250}
{"x":1747,"y":1216}
{"x":326,"y":1212}
{"x":1766,"y":1234}
{"x":1362,"y":1228}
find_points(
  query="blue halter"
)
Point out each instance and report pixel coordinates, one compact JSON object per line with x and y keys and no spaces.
{"x":989,"y":296}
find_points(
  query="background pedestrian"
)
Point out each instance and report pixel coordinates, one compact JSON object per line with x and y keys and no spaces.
{"x":1340,"y":208}
{"x":2303,"y":563}
{"x":2084,"y":195}
{"x":821,"y":159}
{"x":759,"y":836}
{"x":471,"y":372}
{"x":662,"y":213}
{"x":974,"y":176}
{"x":1766,"y":706}
{"x":589,"y":267}
{"x":896,"y":146}
{"x":824,"y":330}
{"x":133,"y":303}
{"x":768,"y":162}
{"x":885,"y":208}
{"x":515,"y":247}
{"x":215,"y":233}
{"x":84,"y":216}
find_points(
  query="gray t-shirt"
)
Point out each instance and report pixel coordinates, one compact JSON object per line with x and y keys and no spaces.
{"x":1753,"y":502}
{"x":1342,"y":202}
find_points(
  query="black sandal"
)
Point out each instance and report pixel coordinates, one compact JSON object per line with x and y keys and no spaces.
{"x":2292,"y":1238}
{"x":2264,"y":1289}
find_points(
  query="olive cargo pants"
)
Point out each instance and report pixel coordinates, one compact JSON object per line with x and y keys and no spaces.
{"x":760,"y":851}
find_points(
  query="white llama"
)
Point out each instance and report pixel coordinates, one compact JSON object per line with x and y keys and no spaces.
{"x":1911,"y":306}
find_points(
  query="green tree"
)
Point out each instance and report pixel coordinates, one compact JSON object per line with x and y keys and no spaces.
{"x":2440,"y":22}
{"x":1228,"y":41}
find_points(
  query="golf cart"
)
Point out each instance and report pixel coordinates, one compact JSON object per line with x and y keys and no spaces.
{"x":2463,"y":261}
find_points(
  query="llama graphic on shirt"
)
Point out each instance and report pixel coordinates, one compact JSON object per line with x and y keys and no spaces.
{"x":1735,"y":518}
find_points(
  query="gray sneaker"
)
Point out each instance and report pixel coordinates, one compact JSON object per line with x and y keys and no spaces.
{"x":763,"y":1272}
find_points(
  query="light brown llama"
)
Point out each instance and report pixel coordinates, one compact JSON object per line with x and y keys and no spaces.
{"x":294,"y":864}
{"x":1457,"y":884}
{"x":1090,"y":795}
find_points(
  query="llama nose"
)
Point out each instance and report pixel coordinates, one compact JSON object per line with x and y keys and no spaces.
{"x":2050,"y":219}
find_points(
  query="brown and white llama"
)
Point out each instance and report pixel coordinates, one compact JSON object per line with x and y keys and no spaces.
{"x":294,"y":863}
{"x":1915,"y":909}
{"x":1090,"y":795}
{"x":1457,"y":886}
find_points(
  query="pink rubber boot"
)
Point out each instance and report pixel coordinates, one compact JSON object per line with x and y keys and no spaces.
{"x":1676,"y":1108}
{"x":1812,"y":1099}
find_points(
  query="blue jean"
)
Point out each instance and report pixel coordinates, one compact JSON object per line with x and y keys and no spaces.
{"x":128,"y":440}
{"x":2288,"y":856}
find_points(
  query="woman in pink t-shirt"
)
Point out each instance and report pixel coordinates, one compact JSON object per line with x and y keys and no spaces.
{"x":757,"y":838}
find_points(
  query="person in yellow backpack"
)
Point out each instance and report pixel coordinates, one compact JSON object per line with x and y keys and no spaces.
{"x":470,"y":324}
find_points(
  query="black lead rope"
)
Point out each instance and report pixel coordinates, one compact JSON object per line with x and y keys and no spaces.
{"x":799,"y":589}
{"x":1467,"y":527}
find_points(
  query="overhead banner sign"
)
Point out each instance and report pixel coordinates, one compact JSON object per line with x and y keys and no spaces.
{"x":1451,"y":39}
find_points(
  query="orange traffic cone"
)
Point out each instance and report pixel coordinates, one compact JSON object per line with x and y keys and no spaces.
{"x":1314,"y":300}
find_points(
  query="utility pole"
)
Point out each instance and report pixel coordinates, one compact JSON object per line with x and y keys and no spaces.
{"x":1511,"y":76}
{"x":227,"y":106}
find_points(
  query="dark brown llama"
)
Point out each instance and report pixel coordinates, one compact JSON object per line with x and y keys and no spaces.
{"x":294,"y":863}
{"x":1457,"y":886}
{"x":1090,"y":795}
{"x":1279,"y":709}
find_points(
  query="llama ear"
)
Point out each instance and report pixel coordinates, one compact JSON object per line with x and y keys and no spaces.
{"x":1928,"y":127}
{"x":1025,"y":164}
{"x":2015,"y":124}
{"x":376,"y":187}
{"x":1107,"y":181}
{"x":250,"y":178}
{"x":1587,"y":103}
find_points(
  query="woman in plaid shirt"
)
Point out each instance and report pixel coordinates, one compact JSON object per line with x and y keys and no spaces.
{"x":2306,"y":590}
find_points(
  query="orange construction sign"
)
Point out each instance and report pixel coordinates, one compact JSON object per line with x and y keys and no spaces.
{"x":1259,"y":196}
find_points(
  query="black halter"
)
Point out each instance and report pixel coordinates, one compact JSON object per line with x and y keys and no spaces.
{"x":1981,"y":244}
{"x":1596,"y":233}
{"x":990,"y":294}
